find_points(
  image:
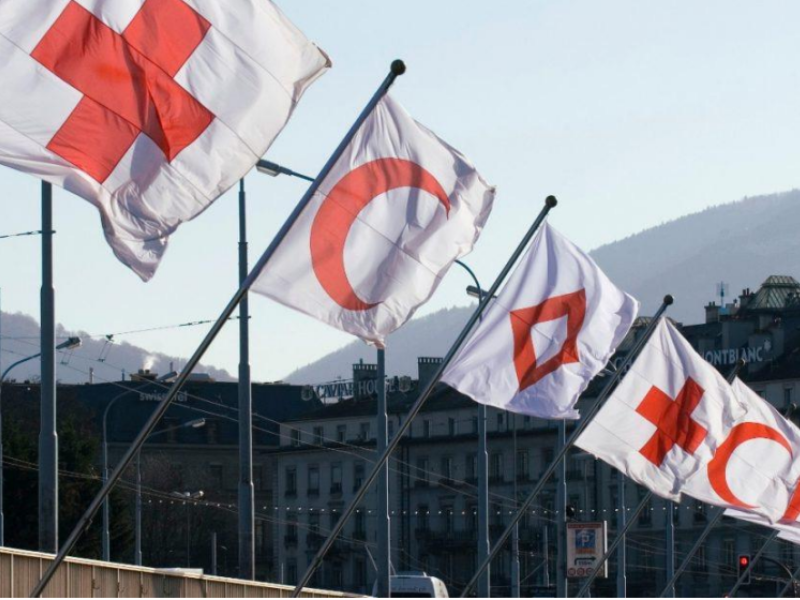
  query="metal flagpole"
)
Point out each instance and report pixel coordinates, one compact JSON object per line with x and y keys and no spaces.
{"x":791,"y":585}
{"x":617,"y":541}
{"x":383,"y":523}
{"x":2,"y":471}
{"x":246,"y":493}
{"x":749,"y":568}
{"x":669,"y":525}
{"x":622,"y":557}
{"x":48,"y":438}
{"x":585,"y":420}
{"x":397,"y":69}
{"x":561,"y":510}
{"x":621,"y":536}
{"x":550,"y":202}
{"x":137,"y":549}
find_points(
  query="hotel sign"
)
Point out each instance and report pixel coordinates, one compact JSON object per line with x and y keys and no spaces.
{"x":728,"y":356}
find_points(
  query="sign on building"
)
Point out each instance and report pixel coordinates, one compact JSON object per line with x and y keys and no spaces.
{"x":586,"y":544}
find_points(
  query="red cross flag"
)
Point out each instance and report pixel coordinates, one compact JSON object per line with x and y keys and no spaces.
{"x":149,"y":109}
{"x":677,"y":427}
{"x":397,"y":209}
{"x":550,"y":331}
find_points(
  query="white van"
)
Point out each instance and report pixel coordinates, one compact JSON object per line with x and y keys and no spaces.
{"x":416,"y":584}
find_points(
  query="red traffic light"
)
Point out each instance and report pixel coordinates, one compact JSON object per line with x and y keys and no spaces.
{"x":744,"y":561}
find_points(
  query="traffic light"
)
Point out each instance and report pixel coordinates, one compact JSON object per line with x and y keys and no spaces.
{"x":742,"y":564}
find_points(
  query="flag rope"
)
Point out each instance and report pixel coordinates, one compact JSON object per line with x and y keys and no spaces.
{"x":550,"y":202}
{"x":668,"y":300}
{"x":397,"y":69}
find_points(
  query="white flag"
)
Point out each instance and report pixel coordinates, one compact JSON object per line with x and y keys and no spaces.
{"x":397,"y":209}
{"x":552,"y":329}
{"x":148,"y":109}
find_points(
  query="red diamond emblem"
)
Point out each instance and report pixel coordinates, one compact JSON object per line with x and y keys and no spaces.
{"x":573,"y":307}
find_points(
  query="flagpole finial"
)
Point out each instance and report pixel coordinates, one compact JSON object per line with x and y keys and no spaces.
{"x":398,"y":67}
{"x":551,"y":201}
{"x":741,"y":363}
{"x":668,"y":299}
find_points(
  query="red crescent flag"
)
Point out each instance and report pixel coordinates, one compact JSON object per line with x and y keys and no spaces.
{"x":397,"y":209}
{"x":677,"y":427}
{"x":148,"y":109}
{"x":554,"y":327}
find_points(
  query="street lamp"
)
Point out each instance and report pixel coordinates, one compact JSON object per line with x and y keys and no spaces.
{"x":194,"y":424}
{"x":273,"y":170}
{"x":70,"y":344}
{"x":187,"y":497}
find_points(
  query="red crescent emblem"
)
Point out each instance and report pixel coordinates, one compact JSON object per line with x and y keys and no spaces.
{"x":340,"y":209}
{"x":740,"y":434}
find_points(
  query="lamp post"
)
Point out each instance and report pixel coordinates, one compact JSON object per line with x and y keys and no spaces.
{"x":137,"y":554}
{"x":187,"y":498}
{"x":484,"y":585}
{"x":70,"y":344}
{"x":246,"y":490}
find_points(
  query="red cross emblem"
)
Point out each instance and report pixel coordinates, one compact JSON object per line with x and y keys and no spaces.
{"x":673,"y":421}
{"x":127,"y":81}
{"x":572,"y":306}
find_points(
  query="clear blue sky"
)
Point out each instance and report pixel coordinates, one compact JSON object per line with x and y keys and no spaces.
{"x":632,"y":113}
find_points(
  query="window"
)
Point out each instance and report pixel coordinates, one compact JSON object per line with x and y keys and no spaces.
{"x":449,"y":520}
{"x":333,"y":518}
{"x":319,"y":435}
{"x":526,"y":422}
{"x":359,"y":531}
{"x":451,"y":426}
{"x":496,"y":467}
{"x":295,"y":437}
{"x":426,"y":428}
{"x":259,"y":477}
{"x":472,"y":518}
{"x":291,"y":481}
{"x":291,"y":572}
{"x":358,"y":476}
{"x":313,"y":481}
{"x":547,"y":457}
{"x":497,"y":516}
{"x":336,"y":576}
{"x":475,"y":425}
{"x":217,"y":476}
{"x":728,"y":553}
{"x":787,"y":396}
{"x":341,"y":433}
{"x":391,"y":428}
{"x":646,"y":516}
{"x":422,"y":471}
{"x":291,"y":528}
{"x":700,"y":513}
{"x":360,"y":573}
{"x":423,"y":523}
{"x":363,"y":432}
{"x":447,"y":467}
{"x":522,"y":465}
{"x":500,"y":421}
{"x":336,"y":478}
{"x":471,"y":467}
{"x":313,"y":523}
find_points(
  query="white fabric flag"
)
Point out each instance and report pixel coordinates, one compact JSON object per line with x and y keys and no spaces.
{"x":553,"y":327}
{"x":397,"y":209}
{"x":667,"y":418}
{"x":757,"y":465}
{"x":148,"y":109}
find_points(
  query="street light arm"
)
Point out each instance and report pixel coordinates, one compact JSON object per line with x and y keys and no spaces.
{"x":18,"y":363}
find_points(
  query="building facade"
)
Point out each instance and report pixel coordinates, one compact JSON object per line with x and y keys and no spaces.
{"x":325,"y":455}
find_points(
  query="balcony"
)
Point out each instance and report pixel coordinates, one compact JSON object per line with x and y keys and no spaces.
{"x":290,"y":539}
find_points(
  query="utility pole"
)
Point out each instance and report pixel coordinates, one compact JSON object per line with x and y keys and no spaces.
{"x":383,"y":520}
{"x":561,"y":521}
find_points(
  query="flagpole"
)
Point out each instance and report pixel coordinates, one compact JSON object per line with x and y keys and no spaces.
{"x":791,"y":584}
{"x":669,"y":525}
{"x":48,"y":436}
{"x":246,"y":491}
{"x":713,"y":523}
{"x":591,"y":411}
{"x":383,"y":522}
{"x":749,"y":568}
{"x":621,"y":536}
{"x":397,"y":69}
{"x":550,"y":202}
